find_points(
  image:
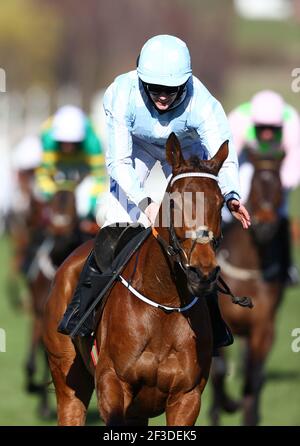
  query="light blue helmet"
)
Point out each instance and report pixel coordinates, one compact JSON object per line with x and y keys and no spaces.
{"x":164,"y":60}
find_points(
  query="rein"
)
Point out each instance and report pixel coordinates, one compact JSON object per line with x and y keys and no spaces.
{"x":165,"y":308}
{"x":242,"y":301}
{"x":202,"y":235}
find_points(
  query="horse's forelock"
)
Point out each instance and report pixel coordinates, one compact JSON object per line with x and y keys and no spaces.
{"x":194,"y":163}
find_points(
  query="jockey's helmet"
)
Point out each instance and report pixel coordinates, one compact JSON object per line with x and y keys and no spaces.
{"x":164,"y":60}
{"x":69,"y":124}
{"x":27,"y":155}
{"x":267,"y":108}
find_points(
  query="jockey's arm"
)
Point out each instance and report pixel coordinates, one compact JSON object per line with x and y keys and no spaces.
{"x":119,"y":152}
{"x":214,"y":130}
{"x":45,"y":186}
{"x":240,"y":124}
{"x":94,"y":158}
{"x":290,"y":172}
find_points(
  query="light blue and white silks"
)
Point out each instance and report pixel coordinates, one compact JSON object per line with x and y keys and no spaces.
{"x":137,"y":135}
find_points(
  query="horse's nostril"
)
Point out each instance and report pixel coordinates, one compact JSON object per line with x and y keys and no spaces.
{"x":194,"y":274}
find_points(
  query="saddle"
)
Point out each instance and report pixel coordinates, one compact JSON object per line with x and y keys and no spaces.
{"x":111,"y":240}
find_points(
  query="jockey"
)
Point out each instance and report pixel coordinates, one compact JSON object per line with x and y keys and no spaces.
{"x":71,"y":151}
{"x":142,"y":108}
{"x":269,"y":126}
{"x":26,"y":157}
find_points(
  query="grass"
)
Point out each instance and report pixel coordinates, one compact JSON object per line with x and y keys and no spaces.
{"x":270,"y":38}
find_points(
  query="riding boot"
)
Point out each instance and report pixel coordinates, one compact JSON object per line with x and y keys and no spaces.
{"x":222,"y":336}
{"x":81,"y":300}
{"x":96,"y":279}
{"x":289,"y":270}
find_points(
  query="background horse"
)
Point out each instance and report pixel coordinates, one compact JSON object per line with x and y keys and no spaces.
{"x":251,"y":263}
{"x":62,"y":234}
{"x":27,"y":222}
{"x":150,"y":361}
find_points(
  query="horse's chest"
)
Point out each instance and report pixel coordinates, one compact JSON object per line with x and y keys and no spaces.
{"x":168,"y":370}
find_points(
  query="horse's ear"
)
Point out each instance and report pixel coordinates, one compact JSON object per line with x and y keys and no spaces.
{"x":219,"y":158}
{"x":173,"y":152}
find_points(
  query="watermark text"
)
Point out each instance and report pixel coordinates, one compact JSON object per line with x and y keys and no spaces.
{"x":2,"y":341}
{"x":296,"y":342}
{"x":295,"y":85}
{"x":2,"y":81}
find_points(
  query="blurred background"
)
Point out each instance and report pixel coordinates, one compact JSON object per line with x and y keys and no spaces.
{"x":55,"y":52}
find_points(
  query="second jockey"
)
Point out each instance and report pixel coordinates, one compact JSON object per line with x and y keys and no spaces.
{"x":269,"y":126}
{"x":71,"y":151}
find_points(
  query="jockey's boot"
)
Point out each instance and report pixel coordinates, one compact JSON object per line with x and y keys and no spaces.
{"x":289,"y":269}
{"x":81,"y":300}
{"x":98,"y":274}
{"x":222,"y":336}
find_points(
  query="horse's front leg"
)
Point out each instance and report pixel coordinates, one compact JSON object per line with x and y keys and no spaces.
{"x":183,"y":408}
{"x":112,"y":397}
{"x":220,"y":400}
{"x":31,"y":365}
{"x":259,"y":346}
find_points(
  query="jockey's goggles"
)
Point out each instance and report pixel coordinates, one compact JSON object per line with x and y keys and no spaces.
{"x":276,"y":132}
{"x":158,"y":89}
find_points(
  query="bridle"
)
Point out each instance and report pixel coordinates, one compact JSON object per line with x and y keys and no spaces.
{"x":174,"y":250}
{"x":202,"y":235}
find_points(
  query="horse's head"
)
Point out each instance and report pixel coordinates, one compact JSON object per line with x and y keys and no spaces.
{"x":265,"y":196}
{"x":195,"y":203}
{"x":62,"y":213}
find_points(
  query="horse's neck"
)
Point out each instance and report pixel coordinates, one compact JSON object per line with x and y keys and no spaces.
{"x":157,"y":275}
{"x":239,"y":244}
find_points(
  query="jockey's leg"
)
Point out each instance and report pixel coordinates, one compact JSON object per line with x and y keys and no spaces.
{"x":73,"y":313}
{"x":82,"y":196}
{"x":113,"y":207}
{"x":222,"y":336}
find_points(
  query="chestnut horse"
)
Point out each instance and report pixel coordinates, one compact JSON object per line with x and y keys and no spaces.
{"x":61,"y":236}
{"x":250,"y":262}
{"x":151,"y":360}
